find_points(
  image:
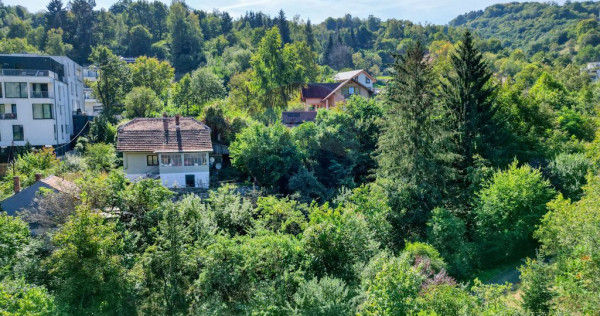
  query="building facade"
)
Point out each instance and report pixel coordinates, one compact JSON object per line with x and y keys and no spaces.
{"x":92,"y":105}
{"x":38,"y":96}
{"x":316,"y":96}
{"x":174,"y":150}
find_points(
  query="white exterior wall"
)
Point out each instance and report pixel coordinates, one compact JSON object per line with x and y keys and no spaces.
{"x":62,"y":95}
{"x":177,"y":180}
{"x":362,"y":78}
{"x":135,"y":167}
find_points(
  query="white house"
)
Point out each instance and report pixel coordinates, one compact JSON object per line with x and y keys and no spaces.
{"x":175,"y":150}
{"x":38,"y":95}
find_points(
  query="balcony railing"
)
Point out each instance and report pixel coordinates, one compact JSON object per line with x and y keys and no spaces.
{"x":8,"y":116}
{"x":27,"y":73}
{"x":40,"y":94}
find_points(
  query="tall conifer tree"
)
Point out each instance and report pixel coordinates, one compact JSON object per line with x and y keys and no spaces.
{"x":411,"y":152}
{"x":284,"y":28}
{"x":466,"y":92}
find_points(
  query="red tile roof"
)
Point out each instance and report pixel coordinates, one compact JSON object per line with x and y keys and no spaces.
{"x":161,"y":135}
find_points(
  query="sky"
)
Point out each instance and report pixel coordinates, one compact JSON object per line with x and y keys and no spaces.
{"x":423,"y":11}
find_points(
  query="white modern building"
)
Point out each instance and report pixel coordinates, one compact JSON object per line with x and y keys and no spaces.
{"x":38,"y":96}
{"x":173,"y":149}
{"x":92,"y":105}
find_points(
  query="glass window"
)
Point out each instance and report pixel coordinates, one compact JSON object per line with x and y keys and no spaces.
{"x":39,"y":90}
{"x":171,"y":160}
{"x":42,"y":111}
{"x":368,"y":80}
{"x":2,"y":110}
{"x":0,"y":89}
{"x":194,"y":159}
{"x":18,"y":132}
{"x":16,"y":89}
{"x":152,"y":160}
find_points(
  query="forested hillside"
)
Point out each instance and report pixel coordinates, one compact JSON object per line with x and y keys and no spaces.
{"x":479,"y":155}
{"x":539,"y":27}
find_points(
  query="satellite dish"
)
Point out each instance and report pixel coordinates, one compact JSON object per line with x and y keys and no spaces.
{"x":212,"y":160}
{"x":218,"y":166}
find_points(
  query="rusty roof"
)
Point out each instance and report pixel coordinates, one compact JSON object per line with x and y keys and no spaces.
{"x":161,"y":135}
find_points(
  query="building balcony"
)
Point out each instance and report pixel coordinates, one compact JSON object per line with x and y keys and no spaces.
{"x":8,"y":116}
{"x":27,"y":73}
{"x":41,"y":95}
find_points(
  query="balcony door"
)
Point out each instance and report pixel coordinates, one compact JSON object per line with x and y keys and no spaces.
{"x":39,"y":90}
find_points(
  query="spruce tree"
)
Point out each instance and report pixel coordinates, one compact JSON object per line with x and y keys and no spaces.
{"x":466,"y":92}
{"x":284,"y":29}
{"x":309,"y":35}
{"x":411,"y":153}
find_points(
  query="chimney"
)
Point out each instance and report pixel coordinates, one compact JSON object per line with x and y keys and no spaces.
{"x":17,"y":184}
{"x":177,"y":121}
{"x":38,"y":177}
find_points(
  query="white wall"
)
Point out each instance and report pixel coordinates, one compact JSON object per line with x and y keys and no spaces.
{"x":362,"y":78}
{"x":171,"y":180}
{"x":135,"y":167}
{"x":65,"y":96}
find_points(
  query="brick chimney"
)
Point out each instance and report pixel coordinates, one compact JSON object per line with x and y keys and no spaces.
{"x":17,"y":184}
{"x":177,"y":121}
{"x":38,"y":177}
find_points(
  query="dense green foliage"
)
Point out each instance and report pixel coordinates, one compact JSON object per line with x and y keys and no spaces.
{"x":481,"y":150}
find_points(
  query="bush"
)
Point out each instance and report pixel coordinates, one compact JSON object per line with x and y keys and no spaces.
{"x":507,"y":210}
{"x":19,"y":298}
{"x":338,"y":242}
{"x":101,"y":157}
{"x":73,"y":163}
{"x":142,"y":102}
{"x":325,"y":297}
{"x":536,"y":283}
{"x":446,"y":233}
{"x":568,"y":174}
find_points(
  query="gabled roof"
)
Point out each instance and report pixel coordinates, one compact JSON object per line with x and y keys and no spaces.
{"x":294,"y":118}
{"x":162,"y":135}
{"x":343,"y":76}
{"x":26,"y":198}
{"x":318,"y":90}
{"x":342,"y":84}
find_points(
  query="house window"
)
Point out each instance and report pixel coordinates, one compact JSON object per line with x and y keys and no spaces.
{"x":39,"y":90}
{"x":0,"y":90}
{"x":16,"y":89}
{"x":171,"y":160}
{"x":42,"y":111}
{"x":18,"y":132}
{"x":367,"y":80}
{"x":152,"y":160}
{"x":194,"y":159}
